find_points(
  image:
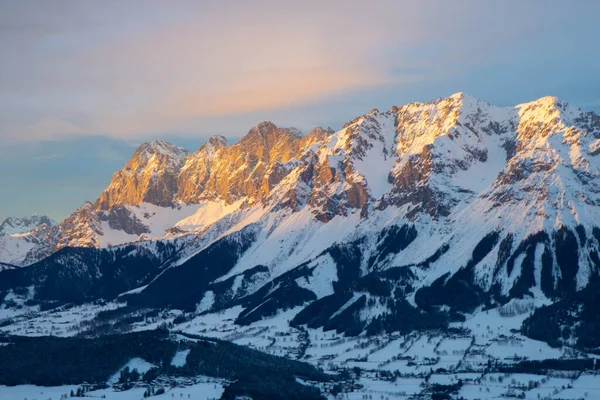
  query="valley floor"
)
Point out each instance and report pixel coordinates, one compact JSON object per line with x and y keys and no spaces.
{"x":199,"y":391}
{"x":462,"y":362}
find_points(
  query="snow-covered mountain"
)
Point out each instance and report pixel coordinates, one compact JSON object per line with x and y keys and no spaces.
{"x":18,"y":236}
{"x":430,"y":210}
{"x":14,"y":226}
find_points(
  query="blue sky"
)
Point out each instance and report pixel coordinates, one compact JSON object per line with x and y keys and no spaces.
{"x":83,"y":83}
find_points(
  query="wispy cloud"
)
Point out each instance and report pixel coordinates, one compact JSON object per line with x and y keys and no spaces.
{"x":48,"y":157}
{"x":127,"y":70}
{"x":94,"y":72}
{"x":50,"y":127}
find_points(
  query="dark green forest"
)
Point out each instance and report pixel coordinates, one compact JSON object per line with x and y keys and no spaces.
{"x":52,"y":361}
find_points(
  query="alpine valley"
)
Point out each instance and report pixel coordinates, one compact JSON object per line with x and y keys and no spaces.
{"x":448,"y":249}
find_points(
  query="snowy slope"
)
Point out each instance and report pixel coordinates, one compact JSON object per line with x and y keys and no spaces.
{"x":400,"y":208}
{"x":493,"y":197}
{"x":18,"y":236}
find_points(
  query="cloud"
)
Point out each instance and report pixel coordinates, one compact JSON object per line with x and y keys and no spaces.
{"x":144,"y":77}
{"x":131,"y":71}
{"x":49,"y":128}
{"x":49,"y":157}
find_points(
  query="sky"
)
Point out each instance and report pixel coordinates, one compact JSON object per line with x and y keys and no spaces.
{"x":83,"y":83}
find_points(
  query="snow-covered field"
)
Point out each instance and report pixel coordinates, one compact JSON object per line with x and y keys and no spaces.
{"x":207,"y":390}
{"x":29,"y":321}
{"x":475,"y":386}
{"x":393,"y":366}
{"x":417,"y":360}
{"x":31,"y":392}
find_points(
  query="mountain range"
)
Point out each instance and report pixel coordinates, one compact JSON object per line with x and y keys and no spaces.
{"x":20,"y":236}
{"x":425,"y":212}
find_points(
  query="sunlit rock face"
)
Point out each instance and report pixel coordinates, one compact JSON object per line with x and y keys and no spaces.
{"x":150,"y":176}
{"x":427,"y":212}
{"x":455,"y":170}
{"x":248,"y":169}
{"x":196,"y":172}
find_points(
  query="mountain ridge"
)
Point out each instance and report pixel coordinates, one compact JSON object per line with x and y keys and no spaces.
{"x":419,"y":219}
{"x":21,"y":236}
{"x":501,"y":199}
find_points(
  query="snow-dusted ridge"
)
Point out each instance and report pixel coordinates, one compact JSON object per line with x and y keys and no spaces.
{"x":19,"y":236}
{"x":426,"y":199}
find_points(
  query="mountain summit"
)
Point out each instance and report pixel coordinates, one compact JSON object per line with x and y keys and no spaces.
{"x":426,"y":212}
{"x":498,"y":193}
{"x":150,"y":176}
{"x":12,"y":226}
{"x":20,"y":236}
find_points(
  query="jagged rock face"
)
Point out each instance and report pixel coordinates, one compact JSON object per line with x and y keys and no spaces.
{"x":240,"y":172}
{"x":80,"y":229}
{"x":86,"y":226}
{"x":12,"y":226}
{"x":452,"y":167}
{"x":303,"y":148}
{"x":19,"y":236}
{"x":122,"y":219}
{"x":334,"y":176}
{"x":197,"y":170}
{"x":452,"y":204}
{"x":151,"y":176}
{"x":435,"y":142}
{"x":419,"y":155}
{"x":165,"y":175}
{"x":403,"y":157}
{"x":554,"y":166}
{"x":250,"y":168}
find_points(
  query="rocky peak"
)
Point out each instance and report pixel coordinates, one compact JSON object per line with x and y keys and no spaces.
{"x":160,"y":147}
{"x":248,"y":168}
{"x":540,"y":118}
{"x":263,"y":128}
{"x":217,"y":141}
{"x":430,"y":158}
{"x":11,"y":225}
{"x":420,"y":124}
{"x":543,"y":124}
{"x":149,"y":176}
{"x":462,"y":108}
{"x":295,"y":132}
{"x":21,"y":236}
{"x":543,"y":109}
{"x":544,"y":102}
{"x":268,"y":131}
{"x":319,"y":130}
{"x":316,"y":137}
{"x":80,"y":229}
{"x":267,"y":141}
{"x":197,"y":169}
{"x":208,"y":150}
{"x":461,"y":98}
